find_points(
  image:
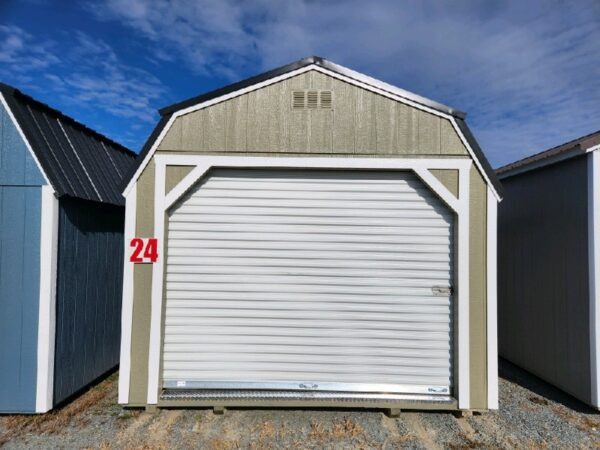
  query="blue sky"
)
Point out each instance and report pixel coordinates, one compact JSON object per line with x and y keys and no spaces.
{"x":527,"y":73}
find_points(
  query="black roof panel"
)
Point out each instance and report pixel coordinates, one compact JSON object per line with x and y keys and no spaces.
{"x":78,"y":161}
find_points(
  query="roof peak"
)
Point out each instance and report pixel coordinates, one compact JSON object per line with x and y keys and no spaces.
{"x":304,"y":62}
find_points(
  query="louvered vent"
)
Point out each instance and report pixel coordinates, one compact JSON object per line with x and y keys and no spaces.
{"x":298,"y":99}
{"x":326,"y":100}
{"x":312,"y":99}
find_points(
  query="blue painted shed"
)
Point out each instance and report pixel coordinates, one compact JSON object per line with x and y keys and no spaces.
{"x":61,"y":253}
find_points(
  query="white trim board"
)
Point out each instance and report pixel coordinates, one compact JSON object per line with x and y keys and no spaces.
{"x":20,"y":131}
{"x":358,"y":80}
{"x":594,"y":273}
{"x":127,"y":305}
{"x":421,"y":165}
{"x":47,"y":302}
{"x":492,"y":300}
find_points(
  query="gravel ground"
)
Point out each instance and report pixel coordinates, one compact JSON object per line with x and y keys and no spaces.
{"x":532,"y":415}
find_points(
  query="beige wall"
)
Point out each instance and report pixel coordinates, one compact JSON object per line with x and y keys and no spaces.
{"x":360,"y":124}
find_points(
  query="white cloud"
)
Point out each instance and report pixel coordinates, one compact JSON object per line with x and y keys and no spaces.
{"x":88,"y":76}
{"x":526,"y":72}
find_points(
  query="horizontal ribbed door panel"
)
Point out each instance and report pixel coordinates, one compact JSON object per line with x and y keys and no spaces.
{"x":326,"y":280}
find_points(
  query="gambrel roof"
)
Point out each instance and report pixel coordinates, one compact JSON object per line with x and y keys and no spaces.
{"x":76,"y":160}
{"x":169,"y":113}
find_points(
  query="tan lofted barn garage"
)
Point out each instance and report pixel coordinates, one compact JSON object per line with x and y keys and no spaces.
{"x":324,"y":239}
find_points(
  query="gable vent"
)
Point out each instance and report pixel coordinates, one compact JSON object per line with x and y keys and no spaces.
{"x":312,"y":99}
{"x":326,"y":99}
{"x":298,"y":101}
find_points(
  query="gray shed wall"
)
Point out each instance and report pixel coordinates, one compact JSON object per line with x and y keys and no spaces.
{"x":543,"y":297}
{"x":88,"y":293}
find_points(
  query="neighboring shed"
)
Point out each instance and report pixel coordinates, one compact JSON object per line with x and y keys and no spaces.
{"x":323,"y":239}
{"x":549,"y":266}
{"x":61,"y":252}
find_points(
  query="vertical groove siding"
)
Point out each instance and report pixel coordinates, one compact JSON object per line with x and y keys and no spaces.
{"x":20,"y":203}
{"x":543,"y":297}
{"x":89,"y":289}
{"x":360,"y":123}
{"x":19,"y":296}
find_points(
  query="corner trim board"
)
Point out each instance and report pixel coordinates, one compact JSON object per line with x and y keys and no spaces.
{"x":594,"y":273}
{"x":127,"y":307}
{"x":492,"y":300}
{"x":420,"y":166}
{"x":47,"y":301}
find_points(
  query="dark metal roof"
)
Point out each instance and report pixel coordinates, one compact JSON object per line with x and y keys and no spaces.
{"x":78,"y":161}
{"x":552,"y":155}
{"x":168,"y":111}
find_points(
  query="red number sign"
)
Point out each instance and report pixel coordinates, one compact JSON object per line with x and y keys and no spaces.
{"x":144,"y":250}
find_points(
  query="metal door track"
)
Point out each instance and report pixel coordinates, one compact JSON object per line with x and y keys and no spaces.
{"x":274,"y":395}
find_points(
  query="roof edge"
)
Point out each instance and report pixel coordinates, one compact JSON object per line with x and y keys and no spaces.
{"x":561,"y":152}
{"x":304,"y":62}
{"x":511,"y":170}
{"x":13,"y":91}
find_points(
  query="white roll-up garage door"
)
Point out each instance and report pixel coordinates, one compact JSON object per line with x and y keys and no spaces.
{"x":318,"y":280}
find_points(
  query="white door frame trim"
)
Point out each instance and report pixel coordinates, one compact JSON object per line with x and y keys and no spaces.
{"x":421,"y":167}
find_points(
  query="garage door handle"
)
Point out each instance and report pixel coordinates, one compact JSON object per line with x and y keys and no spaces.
{"x":442,"y":291}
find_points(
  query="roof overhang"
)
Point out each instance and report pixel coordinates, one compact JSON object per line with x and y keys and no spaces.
{"x":535,"y":162}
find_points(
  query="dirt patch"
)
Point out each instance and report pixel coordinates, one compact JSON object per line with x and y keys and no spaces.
{"x":538,"y":400}
{"x":74,"y":414}
{"x":94,"y":420}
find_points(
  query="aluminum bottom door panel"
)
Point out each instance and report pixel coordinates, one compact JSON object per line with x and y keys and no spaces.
{"x":309,"y":280}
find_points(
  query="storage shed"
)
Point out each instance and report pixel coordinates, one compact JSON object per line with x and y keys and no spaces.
{"x":61,"y":252}
{"x":549,"y":266}
{"x":322,"y":239}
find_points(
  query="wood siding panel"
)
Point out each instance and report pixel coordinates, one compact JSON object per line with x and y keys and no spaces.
{"x":407,"y":129}
{"x":449,"y":178}
{"x":543,"y":297}
{"x":194,"y":130}
{"x":20,"y":219}
{"x":17,"y":166}
{"x":174,"y":175}
{"x":361,"y":122}
{"x":142,"y":292}
{"x":450,"y":143}
{"x":429,"y":134}
{"x":236,"y":114}
{"x":344,"y":116}
{"x":478,"y":290}
{"x":88,"y":293}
